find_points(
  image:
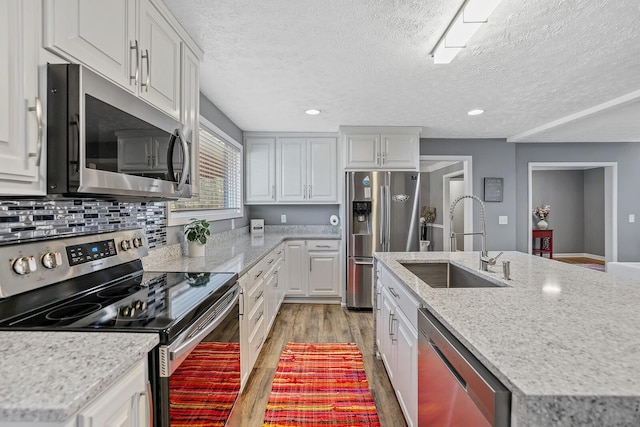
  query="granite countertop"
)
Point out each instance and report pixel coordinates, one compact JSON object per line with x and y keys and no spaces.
{"x":564,"y":334}
{"x":234,"y":252}
{"x":49,"y":376}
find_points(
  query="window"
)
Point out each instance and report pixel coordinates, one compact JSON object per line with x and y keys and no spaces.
{"x":219,"y":184}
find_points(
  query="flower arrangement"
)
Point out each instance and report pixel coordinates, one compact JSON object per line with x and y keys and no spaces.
{"x":542,"y":212}
{"x":427,"y":214}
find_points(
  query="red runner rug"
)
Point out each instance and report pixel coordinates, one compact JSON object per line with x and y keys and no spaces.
{"x":203,"y":389}
{"x":320,"y":385}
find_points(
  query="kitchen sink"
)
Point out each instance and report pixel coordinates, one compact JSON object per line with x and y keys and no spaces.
{"x":446,"y":275}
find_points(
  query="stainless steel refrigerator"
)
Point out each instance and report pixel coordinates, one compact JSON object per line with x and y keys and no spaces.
{"x":382,"y":216}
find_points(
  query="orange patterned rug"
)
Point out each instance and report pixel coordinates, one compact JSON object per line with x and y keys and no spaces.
{"x":320,"y":385}
{"x":204,"y":388}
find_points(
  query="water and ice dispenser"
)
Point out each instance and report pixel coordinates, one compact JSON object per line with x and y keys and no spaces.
{"x":361,"y":212}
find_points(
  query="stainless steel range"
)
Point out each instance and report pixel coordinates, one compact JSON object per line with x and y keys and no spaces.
{"x":96,"y":283}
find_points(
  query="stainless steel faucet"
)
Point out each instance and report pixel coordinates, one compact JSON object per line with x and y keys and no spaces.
{"x":485,"y":259}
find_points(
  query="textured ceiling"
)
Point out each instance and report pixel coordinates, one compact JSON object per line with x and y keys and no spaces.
{"x":534,"y":68}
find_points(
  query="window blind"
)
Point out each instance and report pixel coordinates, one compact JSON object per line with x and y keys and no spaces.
{"x":220,"y":186}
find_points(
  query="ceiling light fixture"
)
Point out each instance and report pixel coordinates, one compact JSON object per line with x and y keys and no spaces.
{"x":471,"y":15}
{"x":475,"y":112}
{"x":312,"y":112}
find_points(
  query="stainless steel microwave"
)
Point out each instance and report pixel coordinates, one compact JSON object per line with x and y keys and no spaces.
{"x":104,"y":142}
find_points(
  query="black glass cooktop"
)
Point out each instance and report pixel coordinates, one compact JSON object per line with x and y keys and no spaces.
{"x":146,"y":302}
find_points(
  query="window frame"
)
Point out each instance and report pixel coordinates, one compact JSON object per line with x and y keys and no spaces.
{"x":185,"y":216}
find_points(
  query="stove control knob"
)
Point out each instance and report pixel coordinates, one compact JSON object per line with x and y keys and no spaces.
{"x":139,"y":305}
{"x":126,"y":311}
{"x":51,"y":260}
{"x":25,"y":265}
{"x":125,"y":245}
{"x":137,"y":242}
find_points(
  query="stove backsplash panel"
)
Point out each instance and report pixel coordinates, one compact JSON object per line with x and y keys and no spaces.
{"x":26,"y":219}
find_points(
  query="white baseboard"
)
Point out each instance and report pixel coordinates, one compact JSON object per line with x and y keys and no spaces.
{"x":312,"y":300}
{"x":578,"y":255}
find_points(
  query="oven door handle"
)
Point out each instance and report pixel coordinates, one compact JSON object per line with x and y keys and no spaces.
{"x":191,"y":342}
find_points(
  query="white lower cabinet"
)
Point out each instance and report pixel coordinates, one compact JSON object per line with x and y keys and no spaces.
{"x":397,"y":340}
{"x":124,"y":404}
{"x":262,"y":295}
{"x":313,"y":268}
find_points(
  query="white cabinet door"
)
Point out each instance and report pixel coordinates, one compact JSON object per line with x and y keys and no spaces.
{"x":98,"y":33}
{"x":387,"y":308}
{"x":322,"y":170}
{"x":21,"y":142}
{"x":260,"y":163}
{"x":297,"y":278}
{"x":406,"y":367}
{"x":292,"y":169}
{"x":125,"y":404}
{"x":323,"y":273}
{"x":362,"y":150}
{"x":399,"y":151}
{"x":159,"y":60}
{"x":190,"y":110}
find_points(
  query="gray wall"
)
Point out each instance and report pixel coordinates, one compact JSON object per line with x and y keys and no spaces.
{"x":563,"y":190}
{"x":626,"y":154}
{"x":212,"y":113}
{"x":491,"y":158}
{"x":296,"y":214}
{"x":594,"y":211}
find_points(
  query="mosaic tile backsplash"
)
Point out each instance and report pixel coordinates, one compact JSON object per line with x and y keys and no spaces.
{"x":28,"y":219}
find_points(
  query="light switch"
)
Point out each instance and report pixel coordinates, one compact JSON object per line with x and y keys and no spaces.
{"x":503,"y":219}
{"x":283,"y":218}
{"x":632,"y":218}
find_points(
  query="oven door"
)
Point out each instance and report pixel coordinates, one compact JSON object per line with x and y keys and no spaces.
{"x":200,"y":370}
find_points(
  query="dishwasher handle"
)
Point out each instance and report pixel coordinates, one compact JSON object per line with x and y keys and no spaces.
{"x":491,"y":397}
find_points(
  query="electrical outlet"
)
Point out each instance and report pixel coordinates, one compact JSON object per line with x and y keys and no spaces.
{"x":632,"y":218}
{"x":283,"y":218}
{"x":503,"y":219}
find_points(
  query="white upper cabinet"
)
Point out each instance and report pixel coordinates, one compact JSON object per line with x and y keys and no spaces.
{"x":190,"y":110}
{"x":131,"y":42}
{"x":159,"y":60}
{"x":260,"y":169}
{"x":101,"y":34}
{"x":381,"y":148}
{"x":22,"y":126}
{"x":307,"y":170}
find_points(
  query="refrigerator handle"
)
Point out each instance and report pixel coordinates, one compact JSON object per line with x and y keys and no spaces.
{"x":383,"y":217}
{"x":387,"y":216}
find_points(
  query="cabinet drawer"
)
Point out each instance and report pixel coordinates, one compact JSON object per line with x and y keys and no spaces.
{"x":254,"y":295}
{"x":402,"y":296}
{"x":256,"y":339}
{"x":256,"y":316}
{"x":319,"y":245}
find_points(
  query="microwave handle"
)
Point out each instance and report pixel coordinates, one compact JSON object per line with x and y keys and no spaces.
{"x":185,"y":151}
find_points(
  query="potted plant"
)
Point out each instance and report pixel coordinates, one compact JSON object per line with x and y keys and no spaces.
{"x":197,"y":232}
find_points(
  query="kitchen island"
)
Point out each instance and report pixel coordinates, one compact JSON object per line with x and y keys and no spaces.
{"x":563,"y":339}
{"x":47,"y":377}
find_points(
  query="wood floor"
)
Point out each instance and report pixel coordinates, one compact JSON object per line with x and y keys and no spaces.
{"x":580,"y":260}
{"x":319,"y":323}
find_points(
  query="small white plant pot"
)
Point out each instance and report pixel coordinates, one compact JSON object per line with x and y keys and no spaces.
{"x":195,"y":249}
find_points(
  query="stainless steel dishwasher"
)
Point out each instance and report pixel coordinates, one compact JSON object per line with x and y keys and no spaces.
{"x":454,"y":388}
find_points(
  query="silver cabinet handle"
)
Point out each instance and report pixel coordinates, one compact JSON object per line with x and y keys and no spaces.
{"x":393,"y":292}
{"x":394,"y":337}
{"x":145,"y":56}
{"x":391,"y":324}
{"x":38,"y":109}
{"x":378,"y":296}
{"x":149,"y":406}
{"x":384,"y":157}
{"x":323,"y":246}
{"x":135,"y":77}
{"x":378,"y":158}
{"x":258,"y":275}
{"x":271,"y":261}
{"x":273,"y":192}
{"x":259,"y":295}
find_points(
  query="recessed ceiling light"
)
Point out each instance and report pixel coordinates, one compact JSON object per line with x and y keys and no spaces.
{"x":312,"y":112}
{"x":475,"y":112}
